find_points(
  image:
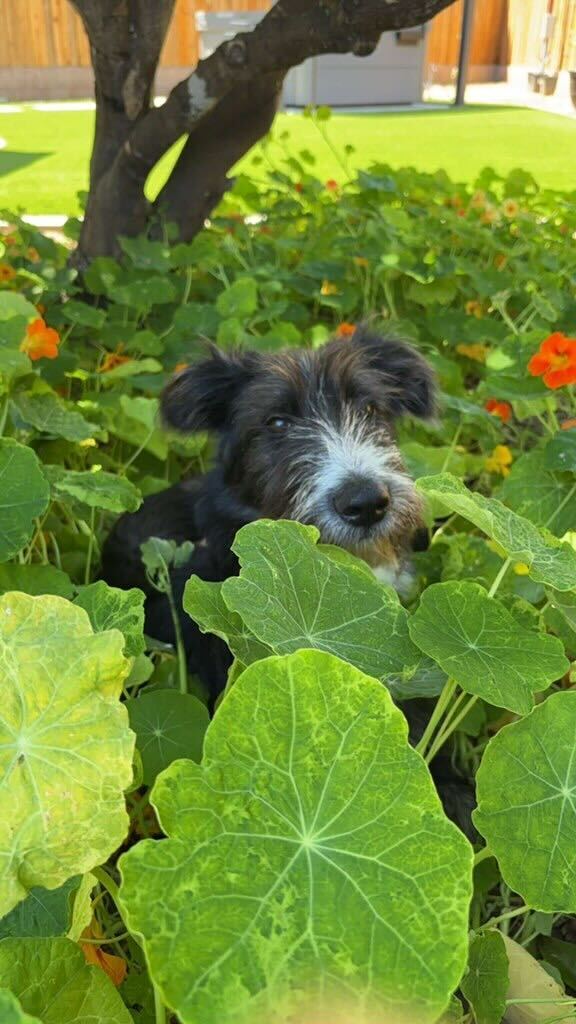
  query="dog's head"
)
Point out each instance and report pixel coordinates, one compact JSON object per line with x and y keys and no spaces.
{"x":309,"y":435}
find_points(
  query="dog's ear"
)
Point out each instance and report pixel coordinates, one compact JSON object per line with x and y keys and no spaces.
{"x":200,"y":397}
{"x":407,"y":379}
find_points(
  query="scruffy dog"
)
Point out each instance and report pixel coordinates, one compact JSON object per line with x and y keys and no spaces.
{"x":305,"y":435}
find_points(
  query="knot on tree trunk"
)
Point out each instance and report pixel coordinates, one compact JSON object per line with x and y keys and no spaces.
{"x":235,"y":52}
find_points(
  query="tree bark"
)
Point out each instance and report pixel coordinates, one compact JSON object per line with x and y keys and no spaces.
{"x":226,"y":104}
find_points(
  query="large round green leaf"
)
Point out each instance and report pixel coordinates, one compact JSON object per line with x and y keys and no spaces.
{"x":54,"y":983}
{"x":309,"y":860}
{"x":65,"y":745}
{"x":24,"y":495}
{"x":526,"y":788}
{"x":483,"y":647}
{"x":549,"y":560}
{"x":292,"y":594}
{"x":485,"y":983}
{"x":168,"y":725}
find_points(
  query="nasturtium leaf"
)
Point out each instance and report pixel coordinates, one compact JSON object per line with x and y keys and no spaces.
{"x":81,"y":313}
{"x":560,"y":452}
{"x":44,"y":912}
{"x":485,"y":983}
{"x":35,"y":579}
{"x":560,"y":615}
{"x":168,"y":725}
{"x":143,"y":293}
{"x":14,"y":304}
{"x":47,"y":413}
{"x":292,"y":594}
{"x":96,"y":489}
{"x":549,"y":561}
{"x":309,"y":859}
{"x":239,"y":299}
{"x":11,"y":1011}
{"x":483,"y":647}
{"x":544,"y":497}
{"x":24,"y":495}
{"x":112,"y":608}
{"x":204,"y":603}
{"x":65,"y":745}
{"x":55,"y":985}
{"x":526,"y":789}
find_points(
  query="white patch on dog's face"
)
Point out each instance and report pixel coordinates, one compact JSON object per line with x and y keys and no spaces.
{"x":335,"y":454}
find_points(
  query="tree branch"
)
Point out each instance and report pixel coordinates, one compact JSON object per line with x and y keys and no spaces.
{"x":201,"y":105}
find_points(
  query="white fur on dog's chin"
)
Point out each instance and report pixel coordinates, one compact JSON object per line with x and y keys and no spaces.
{"x":399,"y":577}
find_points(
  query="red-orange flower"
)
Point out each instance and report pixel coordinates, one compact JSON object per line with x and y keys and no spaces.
{"x":503,"y":410}
{"x":299,"y":186}
{"x":112,"y":360}
{"x":345,"y":330}
{"x":114,"y":966}
{"x":555,"y":361}
{"x":7,"y":273}
{"x":332,"y":185}
{"x":40,"y":341}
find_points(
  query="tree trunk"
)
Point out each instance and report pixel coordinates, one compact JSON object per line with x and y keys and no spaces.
{"x":226,"y":104}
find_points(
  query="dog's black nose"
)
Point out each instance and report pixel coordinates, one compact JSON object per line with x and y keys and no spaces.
{"x":362,"y":503}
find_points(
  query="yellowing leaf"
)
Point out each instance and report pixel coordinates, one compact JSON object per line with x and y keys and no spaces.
{"x":65,"y":745}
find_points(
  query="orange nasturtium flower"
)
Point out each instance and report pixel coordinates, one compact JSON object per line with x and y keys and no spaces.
{"x":345,"y":330}
{"x":7,"y":273}
{"x":112,"y":360}
{"x":555,"y":361}
{"x":40,"y":341}
{"x":568,"y":424}
{"x":500,"y":460}
{"x":503,"y":410}
{"x":180,"y":367}
{"x":114,"y":966}
{"x":510,"y":208}
{"x":474,"y":308}
{"x":332,"y":185}
{"x":476,"y":352}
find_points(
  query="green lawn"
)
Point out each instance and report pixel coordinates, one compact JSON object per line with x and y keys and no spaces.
{"x":45,"y":160}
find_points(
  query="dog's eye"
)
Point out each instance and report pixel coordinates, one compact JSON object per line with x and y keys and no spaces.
{"x":279,"y":424}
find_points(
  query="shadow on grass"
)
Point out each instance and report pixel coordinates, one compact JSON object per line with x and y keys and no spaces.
{"x":11,"y":161}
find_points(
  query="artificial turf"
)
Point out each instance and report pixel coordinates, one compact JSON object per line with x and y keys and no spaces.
{"x":44,"y":161}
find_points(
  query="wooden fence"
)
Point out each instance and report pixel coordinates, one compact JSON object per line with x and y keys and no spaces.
{"x":47,"y":35}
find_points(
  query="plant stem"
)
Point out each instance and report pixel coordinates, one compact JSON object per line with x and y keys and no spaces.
{"x":500,"y":576}
{"x":107,"y":882}
{"x":452,"y":447}
{"x":182,"y":663}
{"x":564,"y":502}
{"x":447,"y":730}
{"x":441,"y":705}
{"x":90,"y":547}
{"x":505,"y":917}
{"x":482,"y":854}
{"x":159,"y":1008}
{"x":3,"y":413}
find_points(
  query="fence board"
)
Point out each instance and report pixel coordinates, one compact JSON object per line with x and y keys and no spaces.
{"x":49,"y":33}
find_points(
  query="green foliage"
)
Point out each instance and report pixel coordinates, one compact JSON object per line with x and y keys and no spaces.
{"x":283,"y":833}
{"x":65,"y":751}
{"x":483,"y":648}
{"x":56,"y":986}
{"x":526,"y":809}
{"x":292,"y":594}
{"x":476,"y":277}
{"x":485,"y":983}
